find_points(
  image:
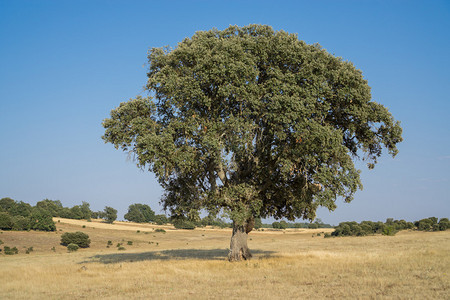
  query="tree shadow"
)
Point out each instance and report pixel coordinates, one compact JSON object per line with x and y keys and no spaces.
{"x":178,"y":254}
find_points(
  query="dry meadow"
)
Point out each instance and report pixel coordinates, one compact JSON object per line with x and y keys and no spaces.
{"x":191,"y":264}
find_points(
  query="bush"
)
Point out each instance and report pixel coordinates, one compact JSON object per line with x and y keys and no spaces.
{"x":160,"y":230}
{"x":121,"y":248}
{"x":72,"y":247}
{"x":129,"y":243}
{"x":183,"y":224}
{"x":79,"y":238}
{"x":10,"y":251}
{"x":389,"y":230}
{"x":444,"y":224}
{"x":161,"y":219}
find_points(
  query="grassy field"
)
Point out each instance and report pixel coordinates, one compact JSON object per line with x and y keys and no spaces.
{"x":180,"y":264}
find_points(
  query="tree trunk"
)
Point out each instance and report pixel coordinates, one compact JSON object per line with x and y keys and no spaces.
{"x":238,"y":246}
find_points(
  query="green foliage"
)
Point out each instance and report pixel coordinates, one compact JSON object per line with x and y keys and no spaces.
{"x":280,"y":225}
{"x":431,"y":224}
{"x":183,"y":224}
{"x":6,"y":204}
{"x":10,"y":251}
{"x":161,"y":219}
{"x":54,"y":207}
{"x":109,"y":214}
{"x":72,"y":247}
{"x":79,"y":238}
{"x":391,"y":227}
{"x":5,"y":221}
{"x":41,"y":220}
{"x":129,"y":243}
{"x":20,"y":209}
{"x":444,"y":224}
{"x":121,"y":248}
{"x":258,"y":223}
{"x":253,"y":122}
{"x":140,"y":213}
{"x":21,"y":223}
{"x":160,"y":230}
{"x":389,"y":230}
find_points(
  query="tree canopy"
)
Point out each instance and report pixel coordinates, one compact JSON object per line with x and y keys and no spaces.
{"x":252,"y":122}
{"x":140,"y":213}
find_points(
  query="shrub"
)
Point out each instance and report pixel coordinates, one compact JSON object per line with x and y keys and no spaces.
{"x":121,"y":248}
{"x":79,"y":238}
{"x":72,"y":247}
{"x":130,"y":243}
{"x":161,"y":219}
{"x":424,"y":225}
{"x":30,"y":249}
{"x":10,"y":251}
{"x":183,"y":224}
{"x":160,"y":230}
{"x":444,"y":224}
{"x":109,"y":243}
{"x":389,"y":230}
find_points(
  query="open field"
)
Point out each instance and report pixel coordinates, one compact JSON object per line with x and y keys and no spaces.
{"x":191,"y":264}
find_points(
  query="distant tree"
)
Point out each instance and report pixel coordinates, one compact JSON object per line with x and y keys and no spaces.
{"x":109,"y":214}
{"x":54,"y":207}
{"x":182,"y":223}
{"x":41,"y":220}
{"x":161,"y":219}
{"x":444,"y":224}
{"x":20,"y":223}
{"x":255,"y":123}
{"x":6,"y":204}
{"x":258,"y":223}
{"x":5,"y":221}
{"x":85,"y":211}
{"x":20,"y":209}
{"x":140,"y":213}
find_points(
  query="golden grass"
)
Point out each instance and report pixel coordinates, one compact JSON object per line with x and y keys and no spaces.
{"x":191,"y":264}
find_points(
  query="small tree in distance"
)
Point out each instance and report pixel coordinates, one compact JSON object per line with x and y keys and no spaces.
{"x":140,"y":213}
{"x":252,"y":122}
{"x":109,"y":214}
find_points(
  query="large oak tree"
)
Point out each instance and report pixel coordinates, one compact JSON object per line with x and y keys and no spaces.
{"x":252,"y":122}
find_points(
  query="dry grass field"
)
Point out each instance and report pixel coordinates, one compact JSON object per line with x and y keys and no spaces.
{"x":191,"y":264}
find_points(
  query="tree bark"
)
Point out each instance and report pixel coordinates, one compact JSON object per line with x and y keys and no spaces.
{"x":238,"y":246}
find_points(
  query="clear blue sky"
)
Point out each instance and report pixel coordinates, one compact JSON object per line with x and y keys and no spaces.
{"x":65,"y":64}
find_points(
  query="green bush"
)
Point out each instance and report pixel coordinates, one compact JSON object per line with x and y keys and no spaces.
{"x":160,"y":230}
{"x":129,"y":243}
{"x":10,"y":251}
{"x":79,"y":238}
{"x":444,"y":224}
{"x":121,"y":248}
{"x":183,"y":224}
{"x":72,"y":247}
{"x":389,"y":230}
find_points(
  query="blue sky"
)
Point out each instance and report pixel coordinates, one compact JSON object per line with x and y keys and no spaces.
{"x":65,"y":64}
